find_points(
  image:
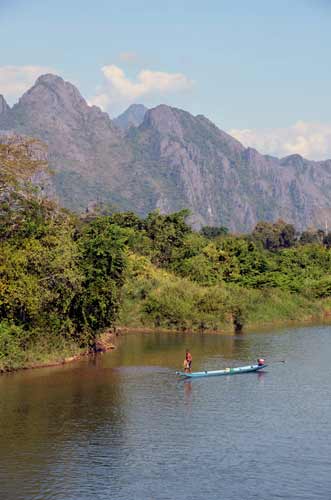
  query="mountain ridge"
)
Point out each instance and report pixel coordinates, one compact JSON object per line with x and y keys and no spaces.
{"x":168,"y":161}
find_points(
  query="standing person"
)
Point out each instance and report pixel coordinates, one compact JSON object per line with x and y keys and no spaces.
{"x":188,"y":358}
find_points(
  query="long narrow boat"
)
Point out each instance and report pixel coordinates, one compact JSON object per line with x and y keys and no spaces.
{"x":226,"y":371}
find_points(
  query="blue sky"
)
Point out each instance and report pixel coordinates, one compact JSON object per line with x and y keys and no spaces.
{"x":260,"y":69}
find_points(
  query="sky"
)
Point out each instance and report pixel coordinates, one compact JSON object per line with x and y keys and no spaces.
{"x":259,"y":69}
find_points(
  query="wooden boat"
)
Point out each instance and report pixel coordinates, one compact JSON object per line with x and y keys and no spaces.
{"x":226,"y":371}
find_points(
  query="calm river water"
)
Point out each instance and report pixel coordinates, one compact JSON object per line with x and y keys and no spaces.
{"x":121,"y":427}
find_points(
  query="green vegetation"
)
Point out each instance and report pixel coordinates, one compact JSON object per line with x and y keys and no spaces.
{"x":180,"y":279}
{"x":64,"y":279}
{"x":60,"y":276}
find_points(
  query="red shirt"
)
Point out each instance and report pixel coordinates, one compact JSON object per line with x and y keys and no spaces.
{"x":188,"y":356}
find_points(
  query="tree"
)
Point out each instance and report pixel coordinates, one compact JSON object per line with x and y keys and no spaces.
{"x":264,"y":234}
{"x":167,"y":233}
{"x":128,"y":220}
{"x":212,"y":232}
{"x":287,"y":234}
{"x":102,"y":262}
{"x":327,"y":240}
{"x":274,"y":236}
{"x":309,"y":237}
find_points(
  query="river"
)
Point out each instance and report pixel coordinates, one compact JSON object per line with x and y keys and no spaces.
{"x":122,"y":427}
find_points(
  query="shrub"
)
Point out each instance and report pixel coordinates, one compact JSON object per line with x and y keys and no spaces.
{"x":12,"y":339}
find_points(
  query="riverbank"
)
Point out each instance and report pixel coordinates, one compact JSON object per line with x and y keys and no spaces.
{"x":44,"y":358}
{"x":324,"y":319}
{"x":156,"y":300}
{"x":106,"y":342}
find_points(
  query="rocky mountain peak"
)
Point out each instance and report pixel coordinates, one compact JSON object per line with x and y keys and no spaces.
{"x":82,"y":141}
{"x":132,"y":117}
{"x":164,"y":116}
{"x":56,"y":93}
{"x":52,"y":94}
{"x":294,"y":159}
{"x":168,"y":121}
{"x":182,"y":126}
{"x":53,"y":109}
{"x":50,"y":79}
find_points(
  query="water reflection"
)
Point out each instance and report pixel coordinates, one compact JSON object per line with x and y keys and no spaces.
{"x":187,"y":392}
{"x":47,"y":419}
{"x":120,"y":426}
{"x":260,"y":376}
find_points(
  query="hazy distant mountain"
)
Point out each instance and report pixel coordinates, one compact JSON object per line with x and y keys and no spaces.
{"x":132,"y":117}
{"x":170,"y":161}
{"x":4,"y":108}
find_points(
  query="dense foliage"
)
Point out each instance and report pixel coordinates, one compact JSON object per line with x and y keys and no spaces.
{"x":212,"y":278}
{"x":64,"y":278}
{"x":60,"y":276}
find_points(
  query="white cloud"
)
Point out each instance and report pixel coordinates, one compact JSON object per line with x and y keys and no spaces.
{"x":15,"y":80}
{"x":119,"y":90}
{"x":310,"y":140}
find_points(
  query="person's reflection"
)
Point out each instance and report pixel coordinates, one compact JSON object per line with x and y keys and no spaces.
{"x":260,"y":376}
{"x":188,"y":392}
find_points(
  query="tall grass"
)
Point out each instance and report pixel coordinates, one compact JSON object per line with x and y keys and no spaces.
{"x":156,"y":298}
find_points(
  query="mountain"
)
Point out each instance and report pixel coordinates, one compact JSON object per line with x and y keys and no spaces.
{"x":169,"y":161}
{"x":186,"y":158}
{"x":194,"y":164}
{"x":86,"y":150}
{"x":132,"y":117}
{"x":4,"y":108}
